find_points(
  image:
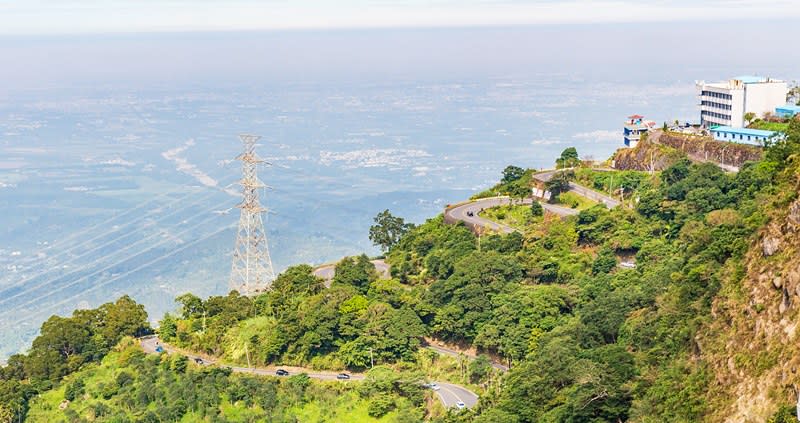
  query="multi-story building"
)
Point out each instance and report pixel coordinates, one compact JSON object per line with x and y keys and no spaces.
{"x":725,"y":103}
{"x":634,"y":127}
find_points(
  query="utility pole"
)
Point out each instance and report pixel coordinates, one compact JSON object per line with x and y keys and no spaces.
{"x":371,"y":359}
{"x":251,"y":270}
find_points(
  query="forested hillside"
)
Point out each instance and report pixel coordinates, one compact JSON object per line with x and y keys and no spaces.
{"x":629,"y":314}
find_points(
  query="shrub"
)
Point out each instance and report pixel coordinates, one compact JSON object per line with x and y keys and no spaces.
{"x":380,"y":405}
{"x":536,"y":209}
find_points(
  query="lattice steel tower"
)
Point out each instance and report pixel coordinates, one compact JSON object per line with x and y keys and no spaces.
{"x":251,"y":271}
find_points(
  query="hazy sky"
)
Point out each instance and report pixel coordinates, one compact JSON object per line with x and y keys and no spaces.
{"x":19,"y":17}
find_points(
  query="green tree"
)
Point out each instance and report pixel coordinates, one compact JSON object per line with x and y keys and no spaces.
{"x":74,"y":389}
{"x":558,"y":184}
{"x":479,"y":369}
{"x":519,"y":191}
{"x":536,"y":209}
{"x":191,"y":305}
{"x":605,"y":262}
{"x":512,"y":173}
{"x":748,"y":117}
{"x":357,"y":272}
{"x":568,"y":158}
{"x":387,"y":230}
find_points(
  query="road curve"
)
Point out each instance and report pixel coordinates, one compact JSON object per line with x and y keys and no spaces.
{"x":448,"y":393}
{"x":581,"y":190}
{"x":451,"y":395}
{"x":462,"y":212}
{"x":327,"y":271}
{"x":150,"y":343}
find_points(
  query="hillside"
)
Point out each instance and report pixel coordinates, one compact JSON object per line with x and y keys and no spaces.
{"x":659,"y":149}
{"x":677,"y":306}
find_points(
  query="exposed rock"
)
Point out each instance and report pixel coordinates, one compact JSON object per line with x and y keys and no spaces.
{"x":707,"y":149}
{"x":777,"y":282}
{"x":794,"y":213}
{"x":793,"y":278}
{"x":770,"y":245}
{"x":785,"y":302}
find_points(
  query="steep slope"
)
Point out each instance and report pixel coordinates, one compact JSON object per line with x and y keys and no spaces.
{"x":752,"y":344}
{"x":646,"y":156}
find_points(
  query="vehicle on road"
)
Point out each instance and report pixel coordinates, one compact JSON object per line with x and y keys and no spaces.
{"x":470,"y":213}
{"x":159,"y":349}
{"x":281,"y":372}
{"x":198,"y":360}
{"x":460,"y":405}
{"x":343,"y":376}
{"x":433,"y":386}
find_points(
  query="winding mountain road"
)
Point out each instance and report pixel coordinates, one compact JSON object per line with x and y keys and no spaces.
{"x":581,"y":190}
{"x":449,"y":394}
{"x":469,"y":212}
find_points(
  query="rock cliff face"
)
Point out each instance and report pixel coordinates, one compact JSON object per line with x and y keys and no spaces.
{"x":646,"y":156}
{"x":659,"y":150}
{"x":706,"y":149}
{"x":753,"y":342}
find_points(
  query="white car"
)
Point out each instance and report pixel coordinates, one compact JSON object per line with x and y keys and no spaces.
{"x":460,"y":405}
{"x":434,"y":386}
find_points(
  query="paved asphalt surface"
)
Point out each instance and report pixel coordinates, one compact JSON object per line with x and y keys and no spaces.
{"x":580,"y":189}
{"x":149,"y":345}
{"x":453,"y":394}
{"x":448,"y":393}
{"x":327,"y":271}
{"x":461,"y":212}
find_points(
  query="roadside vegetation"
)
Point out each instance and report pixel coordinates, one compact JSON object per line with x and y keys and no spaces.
{"x":586,"y":339}
{"x":129,"y":386}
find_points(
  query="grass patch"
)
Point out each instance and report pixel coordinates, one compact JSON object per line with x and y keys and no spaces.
{"x":609,"y":182}
{"x":769,"y":126}
{"x":518,"y":216}
{"x":575,"y":201}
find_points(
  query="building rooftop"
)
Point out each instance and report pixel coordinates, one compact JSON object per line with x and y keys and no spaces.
{"x":733,"y":84}
{"x":792,"y":107}
{"x":743,"y":131}
{"x":751,"y":79}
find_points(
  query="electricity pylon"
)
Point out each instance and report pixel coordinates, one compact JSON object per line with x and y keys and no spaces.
{"x":251,"y":271}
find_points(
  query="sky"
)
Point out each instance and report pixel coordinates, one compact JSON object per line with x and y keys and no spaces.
{"x":49,"y":17}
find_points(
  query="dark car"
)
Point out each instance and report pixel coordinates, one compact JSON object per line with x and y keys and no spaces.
{"x":281,"y":372}
{"x":198,"y":360}
{"x":343,"y":376}
{"x":470,"y":213}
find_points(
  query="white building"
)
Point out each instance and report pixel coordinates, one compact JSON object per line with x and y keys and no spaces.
{"x":725,"y":103}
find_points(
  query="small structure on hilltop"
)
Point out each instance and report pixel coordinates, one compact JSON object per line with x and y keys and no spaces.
{"x":742,"y":135}
{"x":635,"y":126}
{"x":787,"y":111}
{"x":726,"y":103}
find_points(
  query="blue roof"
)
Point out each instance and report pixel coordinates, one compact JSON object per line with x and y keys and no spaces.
{"x":791,"y":107}
{"x":743,"y":131}
{"x":750,"y":79}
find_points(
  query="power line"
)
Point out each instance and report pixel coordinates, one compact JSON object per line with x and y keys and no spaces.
{"x":102,"y":257}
